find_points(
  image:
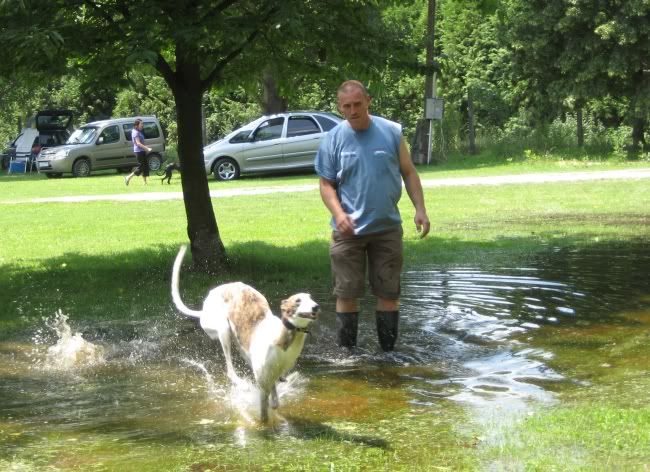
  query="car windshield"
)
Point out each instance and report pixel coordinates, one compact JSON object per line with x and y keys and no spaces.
{"x":82,"y":136}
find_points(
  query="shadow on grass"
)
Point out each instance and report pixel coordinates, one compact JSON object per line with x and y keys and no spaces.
{"x":135,"y":284}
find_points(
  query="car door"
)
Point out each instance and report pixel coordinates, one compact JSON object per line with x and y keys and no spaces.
{"x":264,"y":149}
{"x":109,"y":149}
{"x":303,"y":139}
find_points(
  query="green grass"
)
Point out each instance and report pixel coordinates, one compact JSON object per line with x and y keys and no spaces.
{"x":83,"y":257}
{"x":586,"y":436}
{"x":24,"y":186}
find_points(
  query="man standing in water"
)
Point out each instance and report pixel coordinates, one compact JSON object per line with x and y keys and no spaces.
{"x":361,"y":164}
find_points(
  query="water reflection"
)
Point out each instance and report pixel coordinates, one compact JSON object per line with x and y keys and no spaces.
{"x":470,"y":324}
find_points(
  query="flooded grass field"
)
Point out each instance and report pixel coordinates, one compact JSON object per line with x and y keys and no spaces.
{"x":484,"y":350}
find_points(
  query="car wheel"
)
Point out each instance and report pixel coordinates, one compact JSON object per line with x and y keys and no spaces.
{"x":226,"y":169}
{"x":81,"y":168}
{"x":155,"y":162}
{"x":53,"y":175}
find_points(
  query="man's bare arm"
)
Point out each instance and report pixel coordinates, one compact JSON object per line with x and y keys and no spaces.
{"x":344,"y":222}
{"x":414,"y":189}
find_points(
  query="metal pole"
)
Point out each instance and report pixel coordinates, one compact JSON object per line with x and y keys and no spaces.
{"x":433,"y":95}
{"x":430,"y":141}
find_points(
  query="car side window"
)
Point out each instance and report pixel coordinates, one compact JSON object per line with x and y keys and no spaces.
{"x":150,"y":130}
{"x":127,"y":130}
{"x":240,"y":137}
{"x":301,"y":126}
{"x":326,"y":123}
{"x":111,"y":134}
{"x":270,"y":129}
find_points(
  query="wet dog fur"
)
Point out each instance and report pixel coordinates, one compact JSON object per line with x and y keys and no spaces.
{"x":236,"y":313}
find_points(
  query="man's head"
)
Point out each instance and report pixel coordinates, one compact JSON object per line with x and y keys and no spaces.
{"x":138,"y":124}
{"x":353,"y":103}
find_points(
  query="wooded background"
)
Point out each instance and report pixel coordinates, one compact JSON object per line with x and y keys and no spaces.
{"x":516,"y":75}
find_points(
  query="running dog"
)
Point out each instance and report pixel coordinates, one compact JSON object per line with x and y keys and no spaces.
{"x":169,"y":170}
{"x":237,"y":313}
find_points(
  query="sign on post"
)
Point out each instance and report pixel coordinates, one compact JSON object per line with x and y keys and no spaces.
{"x":434,"y":108}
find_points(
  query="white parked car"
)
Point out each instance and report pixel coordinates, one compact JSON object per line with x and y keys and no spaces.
{"x":272,"y":143}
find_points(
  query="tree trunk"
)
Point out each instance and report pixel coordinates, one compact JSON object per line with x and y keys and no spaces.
{"x":272,"y":101}
{"x":471,"y":132}
{"x":422,"y":140}
{"x":208,"y":252}
{"x":638,"y":135}
{"x":580,"y":131}
{"x":419,"y":147}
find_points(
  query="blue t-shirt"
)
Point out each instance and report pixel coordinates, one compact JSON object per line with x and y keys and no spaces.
{"x":365,"y":167}
{"x":135,"y":134}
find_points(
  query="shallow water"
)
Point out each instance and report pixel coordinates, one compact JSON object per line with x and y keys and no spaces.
{"x":478,"y":346}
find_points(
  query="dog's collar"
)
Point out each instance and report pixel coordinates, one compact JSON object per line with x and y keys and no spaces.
{"x":291,"y":327}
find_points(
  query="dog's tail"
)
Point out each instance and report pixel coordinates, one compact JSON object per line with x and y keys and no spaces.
{"x":176,"y":296}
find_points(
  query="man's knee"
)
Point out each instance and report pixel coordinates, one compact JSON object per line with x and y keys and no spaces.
{"x":387,"y":304}
{"x":347,"y":305}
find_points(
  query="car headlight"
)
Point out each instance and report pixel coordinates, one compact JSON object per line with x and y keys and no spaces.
{"x":60,"y":154}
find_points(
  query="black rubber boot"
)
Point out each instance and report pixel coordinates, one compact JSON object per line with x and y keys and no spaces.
{"x":387,"y":322}
{"x":347,"y":325}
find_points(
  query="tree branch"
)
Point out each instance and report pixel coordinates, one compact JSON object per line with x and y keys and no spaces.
{"x":167,"y":72}
{"x":219,"y":66}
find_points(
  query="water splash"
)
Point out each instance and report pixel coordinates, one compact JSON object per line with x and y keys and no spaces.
{"x":213,"y":390}
{"x":71,"y":350}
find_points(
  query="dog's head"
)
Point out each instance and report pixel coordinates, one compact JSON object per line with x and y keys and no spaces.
{"x":300,"y":310}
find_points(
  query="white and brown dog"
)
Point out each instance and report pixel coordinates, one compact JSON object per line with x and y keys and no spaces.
{"x":238,"y":313}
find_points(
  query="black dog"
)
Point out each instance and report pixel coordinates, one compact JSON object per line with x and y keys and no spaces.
{"x":168,"y":172}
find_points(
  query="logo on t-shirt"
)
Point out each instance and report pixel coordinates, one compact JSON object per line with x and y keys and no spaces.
{"x":381,"y":153}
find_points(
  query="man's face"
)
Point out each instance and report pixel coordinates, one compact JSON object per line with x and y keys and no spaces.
{"x":140,"y":126}
{"x":353,"y":105}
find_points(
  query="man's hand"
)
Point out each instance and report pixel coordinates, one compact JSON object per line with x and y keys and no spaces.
{"x":345,"y":224}
{"x":422,"y":223}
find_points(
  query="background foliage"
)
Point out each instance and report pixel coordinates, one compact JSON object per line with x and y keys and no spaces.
{"x":528,"y":68}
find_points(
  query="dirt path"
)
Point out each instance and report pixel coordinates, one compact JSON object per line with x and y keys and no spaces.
{"x":626,"y":174}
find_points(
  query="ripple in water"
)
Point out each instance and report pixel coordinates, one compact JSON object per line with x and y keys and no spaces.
{"x":469,"y":321}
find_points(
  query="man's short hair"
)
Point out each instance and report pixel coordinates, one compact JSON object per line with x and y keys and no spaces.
{"x":350,"y":85}
{"x":137,"y":122}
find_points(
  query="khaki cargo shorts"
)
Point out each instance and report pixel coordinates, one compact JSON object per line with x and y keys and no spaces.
{"x":380,"y":252}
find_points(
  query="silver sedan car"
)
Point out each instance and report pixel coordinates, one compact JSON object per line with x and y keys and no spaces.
{"x":273,"y":143}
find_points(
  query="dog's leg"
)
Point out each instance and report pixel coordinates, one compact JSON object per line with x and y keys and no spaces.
{"x":264,"y":406}
{"x":224,"y":333}
{"x":227,"y":352}
{"x":274,"y":398}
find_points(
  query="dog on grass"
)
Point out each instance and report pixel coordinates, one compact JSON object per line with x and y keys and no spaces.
{"x":169,"y":170}
{"x":236,"y":313}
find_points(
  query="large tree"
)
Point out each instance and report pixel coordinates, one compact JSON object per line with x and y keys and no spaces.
{"x":569,"y":52}
{"x":473,"y":65}
{"x":194,"y":45}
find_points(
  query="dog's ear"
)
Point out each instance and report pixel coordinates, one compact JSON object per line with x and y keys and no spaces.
{"x":286,"y":307}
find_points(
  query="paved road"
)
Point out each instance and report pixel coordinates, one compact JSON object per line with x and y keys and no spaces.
{"x":627,"y":174}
